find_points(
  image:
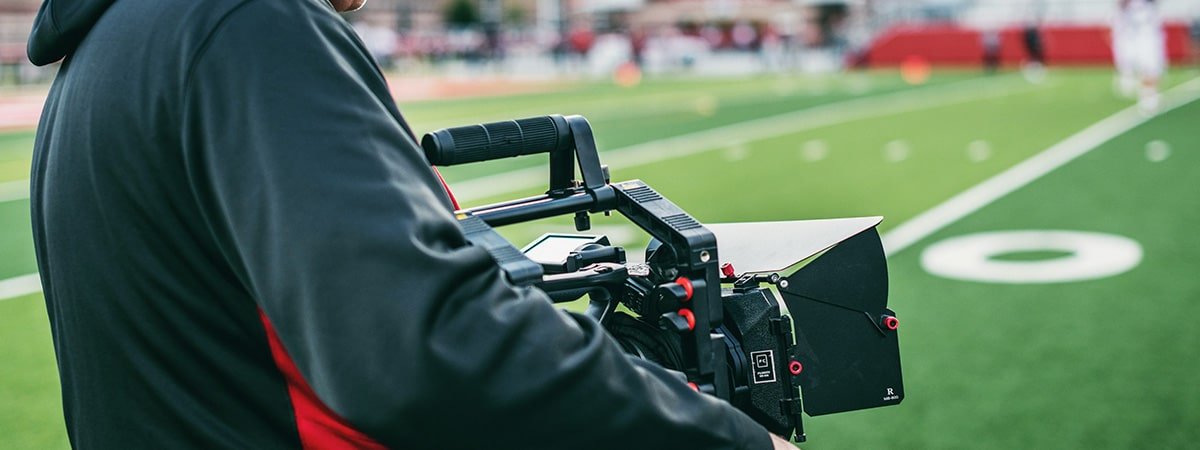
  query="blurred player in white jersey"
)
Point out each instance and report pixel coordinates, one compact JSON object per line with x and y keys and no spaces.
{"x":1139,"y":51}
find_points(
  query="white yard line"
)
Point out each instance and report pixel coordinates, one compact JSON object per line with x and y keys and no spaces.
{"x":11,"y":191}
{"x":20,"y":286}
{"x":757,"y":129}
{"x":1020,"y":175}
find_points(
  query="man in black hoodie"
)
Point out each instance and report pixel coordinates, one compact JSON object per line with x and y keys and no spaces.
{"x":242,"y":247}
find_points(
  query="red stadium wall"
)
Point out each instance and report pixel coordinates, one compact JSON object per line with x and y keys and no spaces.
{"x":955,"y":45}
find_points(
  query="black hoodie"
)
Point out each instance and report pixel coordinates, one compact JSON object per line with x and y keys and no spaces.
{"x":242,"y":247}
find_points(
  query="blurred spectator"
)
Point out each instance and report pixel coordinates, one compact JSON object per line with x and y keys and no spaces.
{"x":991,"y":50}
{"x":1139,"y":51}
{"x":609,"y":51}
{"x":1195,"y":33}
{"x":772,"y":48}
{"x":713,"y":35}
{"x":1034,"y":70}
{"x":672,"y":50}
{"x":743,"y":35}
{"x":581,"y":38}
{"x":637,"y":39}
{"x":381,"y":42}
{"x":1032,"y":37}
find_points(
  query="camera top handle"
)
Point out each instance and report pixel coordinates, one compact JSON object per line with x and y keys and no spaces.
{"x":565,"y":139}
{"x":569,"y":140}
{"x":474,"y":143}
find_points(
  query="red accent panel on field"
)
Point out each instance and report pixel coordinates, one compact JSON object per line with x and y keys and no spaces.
{"x":948,"y":44}
{"x":319,"y":427}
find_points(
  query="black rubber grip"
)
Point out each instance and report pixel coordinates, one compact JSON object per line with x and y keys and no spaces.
{"x":474,"y":143}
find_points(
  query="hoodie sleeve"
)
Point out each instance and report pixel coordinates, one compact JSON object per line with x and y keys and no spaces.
{"x":330,"y":215}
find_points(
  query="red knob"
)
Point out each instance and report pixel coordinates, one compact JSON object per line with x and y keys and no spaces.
{"x":687,"y":287}
{"x":690,"y":317}
{"x":891,"y":322}
{"x":795,"y":367}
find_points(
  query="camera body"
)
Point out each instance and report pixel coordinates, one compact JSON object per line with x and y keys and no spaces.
{"x":762,"y":379}
{"x":707,"y":300}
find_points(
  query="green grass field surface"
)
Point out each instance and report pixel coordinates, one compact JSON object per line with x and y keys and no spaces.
{"x":1108,"y":363}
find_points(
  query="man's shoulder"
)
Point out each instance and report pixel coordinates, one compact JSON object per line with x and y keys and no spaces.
{"x":272,"y":12}
{"x":272,"y":19}
{"x":175,"y":33}
{"x":200,"y":19}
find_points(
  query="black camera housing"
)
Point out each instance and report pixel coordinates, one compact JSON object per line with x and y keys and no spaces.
{"x":837,"y":345}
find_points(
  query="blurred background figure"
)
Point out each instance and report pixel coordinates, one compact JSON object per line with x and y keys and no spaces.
{"x":1139,"y":51}
{"x":381,"y":40}
{"x":1035,"y":66}
{"x":991,"y":50}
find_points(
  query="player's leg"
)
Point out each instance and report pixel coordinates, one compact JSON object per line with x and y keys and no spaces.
{"x":1151,"y":64}
{"x":1125,"y":82}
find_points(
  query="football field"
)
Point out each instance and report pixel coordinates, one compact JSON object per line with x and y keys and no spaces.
{"x":1043,"y":257}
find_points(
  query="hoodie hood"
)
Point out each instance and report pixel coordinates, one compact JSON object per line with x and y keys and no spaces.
{"x":60,"y":26}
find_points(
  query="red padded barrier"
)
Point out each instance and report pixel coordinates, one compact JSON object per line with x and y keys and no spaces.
{"x":948,"y":44}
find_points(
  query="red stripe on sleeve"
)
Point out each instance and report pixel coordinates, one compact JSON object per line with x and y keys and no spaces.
{"x":319,"y":427}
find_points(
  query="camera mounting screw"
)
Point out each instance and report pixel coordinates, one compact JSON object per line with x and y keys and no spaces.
{"x":727,"y":270}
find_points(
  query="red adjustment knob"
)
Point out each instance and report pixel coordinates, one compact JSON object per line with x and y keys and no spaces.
{"x":727,"y":270}
{"x":891,"y":322}
{"x":687,"y":287}
{"x":690,"y":317}
{"x":694,"y":386}
{"x":795,"y":367}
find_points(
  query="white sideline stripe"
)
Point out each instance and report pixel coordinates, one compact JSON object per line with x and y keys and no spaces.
{"x":1020,"y":175}
{"x":758,"y":129}
{"x":20,"y":286}
{"x":11,"y":191}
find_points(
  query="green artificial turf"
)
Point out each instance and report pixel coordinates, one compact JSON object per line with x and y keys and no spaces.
{"x":30,"y":405}
{"x":14,"y":155}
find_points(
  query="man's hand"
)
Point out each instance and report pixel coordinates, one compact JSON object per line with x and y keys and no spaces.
{"x":781,"y":443}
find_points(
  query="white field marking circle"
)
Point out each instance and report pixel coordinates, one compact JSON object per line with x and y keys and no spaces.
{"x":979,"y":151}
{"x":858,"y":85}
{"x":706,"y":105}
{"x":1157,"y":151}
{"x":896,"y":151}
{"x":814,"y":150}
{"x":736,"y":152}
{"x":1092,"y":256}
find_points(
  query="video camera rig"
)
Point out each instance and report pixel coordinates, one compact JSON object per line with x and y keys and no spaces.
{"x":837,"y":344}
